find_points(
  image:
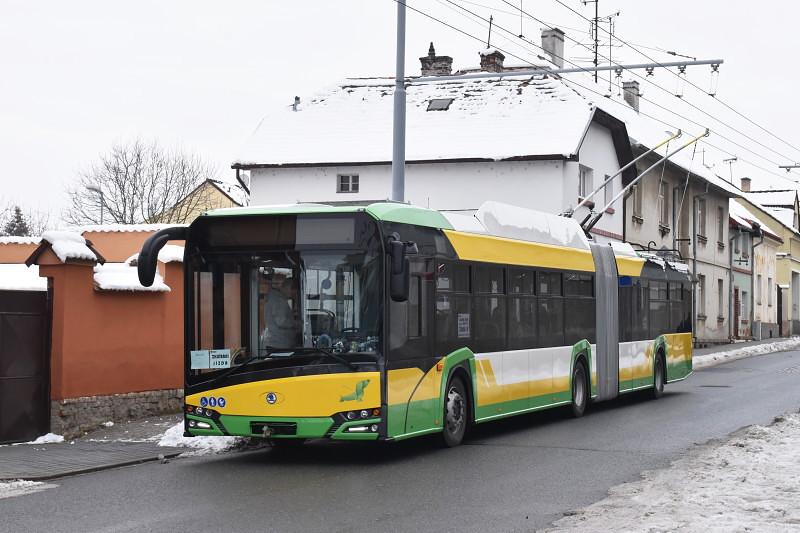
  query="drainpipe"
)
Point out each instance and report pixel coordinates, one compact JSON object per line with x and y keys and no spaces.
{"x":695,"y":199}
{"x":733,"y":328}
{"x":753,"y":282}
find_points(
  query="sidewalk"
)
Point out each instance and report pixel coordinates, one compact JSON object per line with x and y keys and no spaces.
{"x":114,"y":446}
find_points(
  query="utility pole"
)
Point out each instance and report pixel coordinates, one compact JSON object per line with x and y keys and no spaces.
{"x":595,"y":31}
{"x":399,"y":132}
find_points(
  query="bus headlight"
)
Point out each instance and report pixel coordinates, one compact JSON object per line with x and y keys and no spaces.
{"x":364,"y":413}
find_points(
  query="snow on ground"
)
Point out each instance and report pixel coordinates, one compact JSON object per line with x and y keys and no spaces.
{"x":702,"y":361}
{"x":20,"y":487}
{"x":749,"y":483}
{"x":199,"y":445}
{"x":49,"y":438}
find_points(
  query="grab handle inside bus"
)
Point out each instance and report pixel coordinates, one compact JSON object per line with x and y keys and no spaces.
{"x":148,"y":257}
{"x":399,"y":267}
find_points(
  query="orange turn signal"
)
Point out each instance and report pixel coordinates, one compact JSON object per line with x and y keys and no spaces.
{"x":439,"y":366}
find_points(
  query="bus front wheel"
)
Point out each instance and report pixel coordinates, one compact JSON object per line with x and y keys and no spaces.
{"x":455,"y":416}
{"x":580,"y":389}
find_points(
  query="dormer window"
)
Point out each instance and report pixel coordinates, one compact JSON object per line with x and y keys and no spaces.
{"x":439,"y":104}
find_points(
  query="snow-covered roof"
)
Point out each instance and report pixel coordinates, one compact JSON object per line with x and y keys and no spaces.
{"x":19,"y":240}
{"x":745,"y":218}
{"x":234,"y":191}
{"x":124,"y":277}
{"x":125,"y":228}
{"x":773,"y":198}
{"x":69,"y":245}
{"x":489,"y":118}
{"x":170,"y":253}
{"x":784,"y":215}
{"x":16,"y":277}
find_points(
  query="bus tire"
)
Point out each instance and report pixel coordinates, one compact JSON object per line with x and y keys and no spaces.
{"x":659,"y":376}
{"x":580,"y":389}
{"x":455,"y":417}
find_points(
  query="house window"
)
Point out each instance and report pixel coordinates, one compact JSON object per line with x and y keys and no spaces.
{"x":347,"y":183}
{"x":701,"y":295}
{"x":608,"y":191}
{"x":701,"y":217}
{"x":769,"y":291}
{"x":663,"y":203}
{"x":758,"y":289}
{"x":584,"y":181}
{"x":637,"y":200}
{"x":720,"y":296}
{"x":720,"y":224}
{"x":745,"y":245}
{"x":439,"y":104}
{"x":736,"y":240}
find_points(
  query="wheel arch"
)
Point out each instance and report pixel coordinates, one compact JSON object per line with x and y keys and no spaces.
{"x":582,"y":350}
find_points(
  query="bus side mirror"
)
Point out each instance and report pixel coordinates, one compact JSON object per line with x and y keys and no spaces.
{"x":399,"y":267}
{"x":148,"y":257}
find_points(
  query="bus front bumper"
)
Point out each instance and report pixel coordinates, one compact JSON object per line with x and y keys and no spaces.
{"x":335,"y":428}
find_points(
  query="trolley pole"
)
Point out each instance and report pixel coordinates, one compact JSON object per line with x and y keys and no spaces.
{"x":399,"y":128}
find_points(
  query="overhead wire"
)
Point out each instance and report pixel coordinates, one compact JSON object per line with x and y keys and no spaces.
{"x":584,"y":87}
{"x":586,"y":70}
{"x":651,"y":82}
{"x":731,"y":108}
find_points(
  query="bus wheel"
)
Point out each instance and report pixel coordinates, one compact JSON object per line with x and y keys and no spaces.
{"x":455,"y":413}
{"x":658,"y":376}
{"x":580,"y":389}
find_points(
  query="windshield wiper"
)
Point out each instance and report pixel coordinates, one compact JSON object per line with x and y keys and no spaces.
{"x":328,"y":353}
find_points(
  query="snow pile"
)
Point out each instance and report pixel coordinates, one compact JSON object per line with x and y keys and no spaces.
{"x":49,"y":438}
{"x":15,"y":277}
{"x":124,"y":277}
{"x":750,"y":483}
{"x":20,"y":487}
{"x":512,"y":222}
{"x":702,"y":361}
{"x":199,"y":445}
{"x":69,"y":245}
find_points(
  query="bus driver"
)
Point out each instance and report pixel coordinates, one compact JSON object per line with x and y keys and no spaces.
{"x":279,"y":329}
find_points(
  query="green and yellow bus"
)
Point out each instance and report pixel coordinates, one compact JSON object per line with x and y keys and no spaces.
{"x":388,"y":321}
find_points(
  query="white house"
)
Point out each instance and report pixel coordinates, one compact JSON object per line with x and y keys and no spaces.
{"x":527,"y":141}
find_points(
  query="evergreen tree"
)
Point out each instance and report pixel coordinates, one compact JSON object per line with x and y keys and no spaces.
{"x":17,"y":225}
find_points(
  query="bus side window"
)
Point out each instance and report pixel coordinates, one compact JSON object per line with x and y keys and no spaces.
{"x":454,"y":326}
{"x":550,"y":310}
{"x":410,"y":320}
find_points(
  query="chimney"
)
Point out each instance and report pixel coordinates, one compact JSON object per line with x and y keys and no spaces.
{"x":630,"y":90}
{"x":746,"y":184}
{"x":433,"y":65}
{"x":553,"y":44}
{"x":491,"y":60}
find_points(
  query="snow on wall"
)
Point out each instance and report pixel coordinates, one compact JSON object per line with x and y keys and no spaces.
{"x":18,"y":277}
{"x":124,"y":277}
{"x":170,"y":253}
{"x":69,"y":245}
{"x":125,"y":228}
{"x":19,"y":240}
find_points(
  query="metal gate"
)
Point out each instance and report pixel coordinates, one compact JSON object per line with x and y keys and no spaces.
{"x":24,"y":365}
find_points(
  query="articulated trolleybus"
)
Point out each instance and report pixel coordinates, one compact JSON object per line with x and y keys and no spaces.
{"x":388,"y":321}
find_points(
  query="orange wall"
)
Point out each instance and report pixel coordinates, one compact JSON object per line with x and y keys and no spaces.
{"x":113,"y":342}
{"x":16,"y":253}
{"x":117,"y":246}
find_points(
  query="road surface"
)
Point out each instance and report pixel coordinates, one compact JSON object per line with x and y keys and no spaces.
{"x":513,"y":475}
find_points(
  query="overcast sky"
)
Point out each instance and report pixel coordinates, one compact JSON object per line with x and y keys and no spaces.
{"x":76,"y":77}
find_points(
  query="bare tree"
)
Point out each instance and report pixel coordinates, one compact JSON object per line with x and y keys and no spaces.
{"x":140,"y":182}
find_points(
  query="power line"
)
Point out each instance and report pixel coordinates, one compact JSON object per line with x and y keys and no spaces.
{"x":762,"y":128}
{"x":709,"y":115}
{"x":683,"y":117}
{"x":544,"y":72}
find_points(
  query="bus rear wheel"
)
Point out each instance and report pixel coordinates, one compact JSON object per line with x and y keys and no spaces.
{"x":658,"y":377}
{"x":580,"y":389}
{"x":455,"y":415}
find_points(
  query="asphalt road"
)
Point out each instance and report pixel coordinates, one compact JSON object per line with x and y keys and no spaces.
{"x":514,"y":475}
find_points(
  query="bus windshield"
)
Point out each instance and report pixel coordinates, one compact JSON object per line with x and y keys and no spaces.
{"x":287,"y":303}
